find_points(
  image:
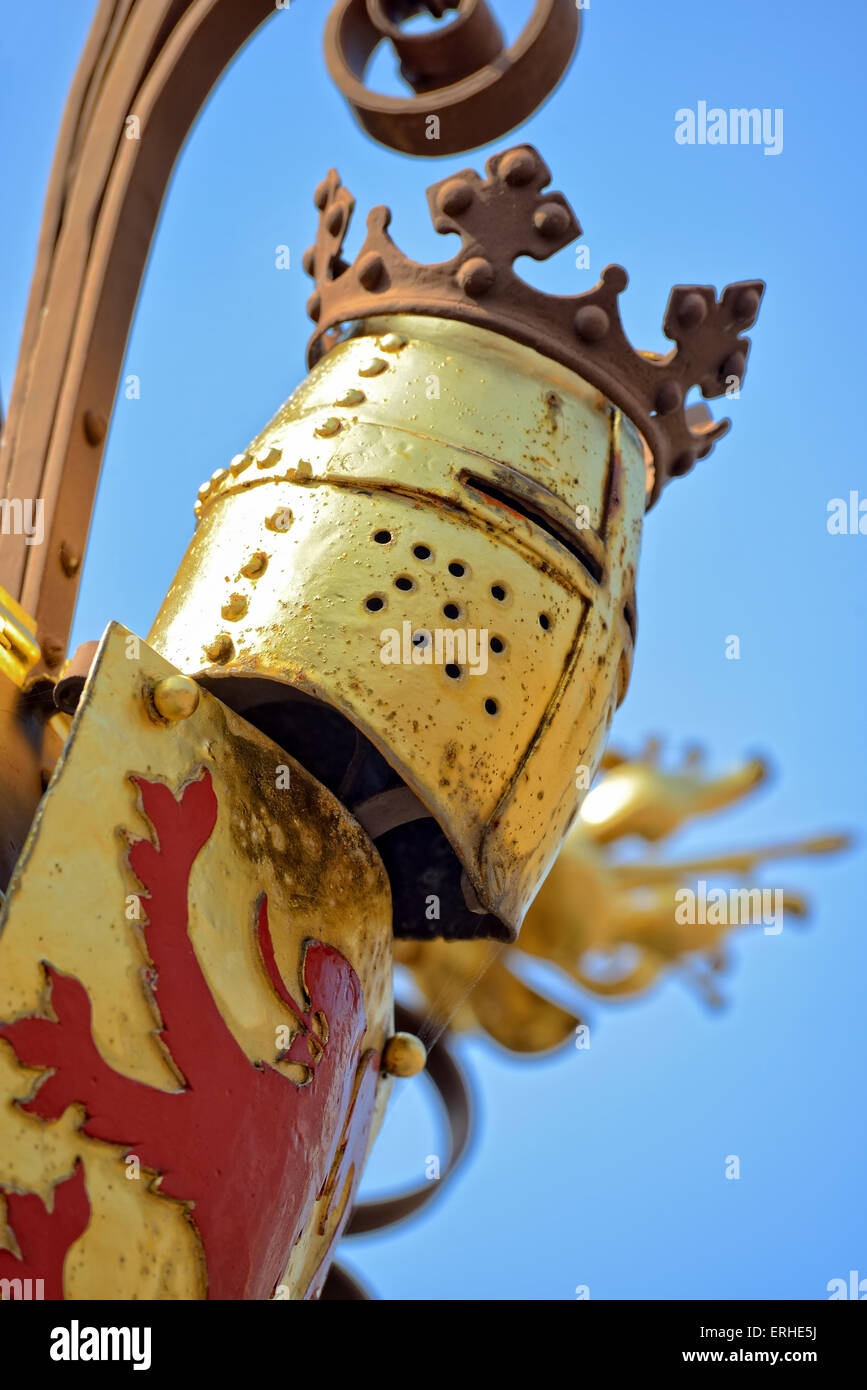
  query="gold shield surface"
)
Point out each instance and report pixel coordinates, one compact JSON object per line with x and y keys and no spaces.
{"x":282,"y":852}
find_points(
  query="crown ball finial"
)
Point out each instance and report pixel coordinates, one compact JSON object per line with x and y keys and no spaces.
{"x":735,"y":364}
{"x":591,"y":323}
{"x":669,"y":397}
{"x":370,"y":270}
{"x":518,"y":167}
{"x":691,"y":312}
{"x":747,"y":305}
{"x":454,"y":196}
{"x":476,"y":276}
{"x":682,"y":464}
{"x":335,"y":220}
{"x":552,"y":220}
{"x":320,"y":195}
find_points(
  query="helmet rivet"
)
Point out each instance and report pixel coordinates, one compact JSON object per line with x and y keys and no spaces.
{"x":219,"y":476}
{"x":175,"y":697}
{"x":239,"y":463}
{"x":256,"y":565}
{"x":280,"y":520}
{"x":235,"y":607}
{"x":328,"y":427}
{"x":221,"y":649}
{"x":372,"y":367}
{"x":204,"y":490}
{"x":404,"y":1055}
{"x":268,"y":457}
{"x":352,"y":397}
{"x":391,"y":342}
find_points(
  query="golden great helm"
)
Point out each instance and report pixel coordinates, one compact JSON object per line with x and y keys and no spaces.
{"x":419,"y":579}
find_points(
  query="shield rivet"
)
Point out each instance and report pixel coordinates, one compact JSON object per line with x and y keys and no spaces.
{"x":328,"y":427}
{"x":176,"y":697}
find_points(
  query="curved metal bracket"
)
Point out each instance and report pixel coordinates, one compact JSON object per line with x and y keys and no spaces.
{"x":450,"y":1082}
{"x":470,"y":89}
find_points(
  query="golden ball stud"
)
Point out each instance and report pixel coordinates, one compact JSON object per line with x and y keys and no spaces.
{"x":404,"y":1055}
{"x":176,"y":697}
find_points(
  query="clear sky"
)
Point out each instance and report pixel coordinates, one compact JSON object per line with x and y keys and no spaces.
{"x":603,"y":1167}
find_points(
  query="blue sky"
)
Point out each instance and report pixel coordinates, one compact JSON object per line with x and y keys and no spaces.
{"x":604,"y":1167}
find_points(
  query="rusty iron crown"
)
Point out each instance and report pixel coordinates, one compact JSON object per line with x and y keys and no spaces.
{"x":507,"y":215}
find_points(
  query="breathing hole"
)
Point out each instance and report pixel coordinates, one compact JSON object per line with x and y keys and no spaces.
{"x":491,"y":706}
{"x":544,"y":622}
{"x":421,"y":552}
{"x":382,"y":537}
{"x":404,"y":582}
{"x":453,"y":672}
{"x":374,"y":603}
{"x":498,"y":592}
{"x":451,"y":610}
{"x":457,"y":569}
{"x":497,"y":645}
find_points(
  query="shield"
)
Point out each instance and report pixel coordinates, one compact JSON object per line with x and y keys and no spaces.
{"x":195,"y":988}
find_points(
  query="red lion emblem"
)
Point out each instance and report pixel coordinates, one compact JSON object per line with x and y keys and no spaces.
{"x":248,"y":1149}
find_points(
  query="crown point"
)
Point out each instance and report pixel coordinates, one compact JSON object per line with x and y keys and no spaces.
{"x":308,"y":260}
{"x":370,"y":269}
{"x":314,"y":306}
{"x":591,"y":323}
{"x":552,"y":220}
{"x":320,"y":196}
{"x":614,"y":278}
{"x":518,"y":167}
{"x":454,"y":196}
{"x":476,"y":276}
